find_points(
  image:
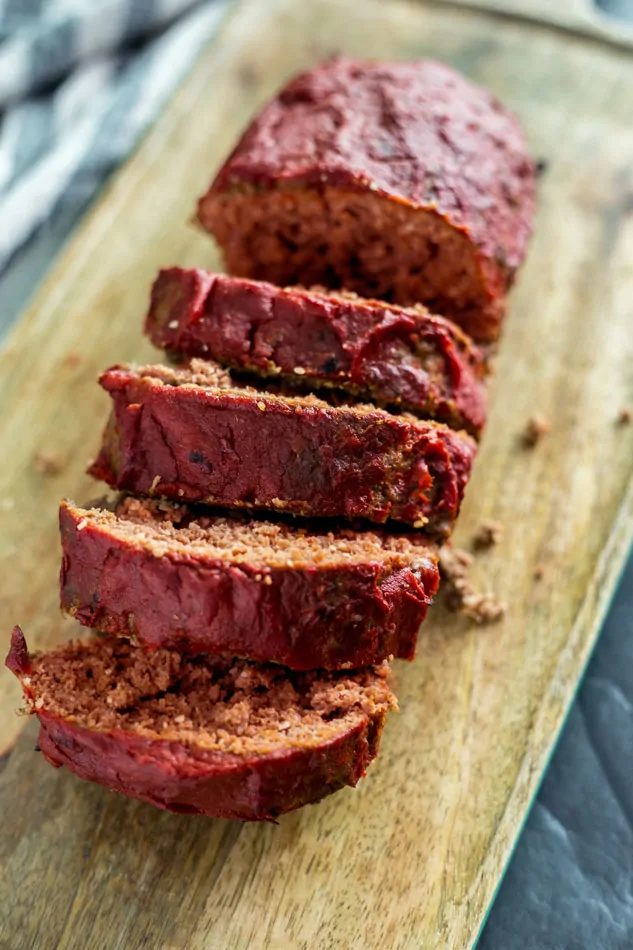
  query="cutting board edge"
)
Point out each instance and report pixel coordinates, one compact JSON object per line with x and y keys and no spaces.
{"x":585,"y":632}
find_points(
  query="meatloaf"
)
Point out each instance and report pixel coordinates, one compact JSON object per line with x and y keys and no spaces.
{"x":166,"y":576}
{"x":195,"y":435}
{"x":387,"y":354}
{"x":224,"y":738}
{"x":402,"y":181}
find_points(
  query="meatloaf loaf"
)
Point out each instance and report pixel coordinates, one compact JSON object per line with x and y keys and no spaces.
{"x":167,"y":576}
{"x":402,"y":181}
{"x":195,"y":435}
{"x":224,"y":738}
{"x":387,"y":354}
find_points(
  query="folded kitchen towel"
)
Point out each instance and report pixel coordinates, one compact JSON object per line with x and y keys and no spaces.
{"x":80,"y":81}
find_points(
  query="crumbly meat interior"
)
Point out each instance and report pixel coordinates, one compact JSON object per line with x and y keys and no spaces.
{"x":365,"y":242}
{"x":206,"y":374}
{"x":168,"y":529}
{"x":207,"y":703}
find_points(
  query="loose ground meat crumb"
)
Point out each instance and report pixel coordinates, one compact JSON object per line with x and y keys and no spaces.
{"x":539,"y":572}
{"x":489,"y":534}
{"x":625,"y":416}
{"x":460,"y":596}
{"x":483,"y":608}
{"x":537,"y":426}
{"x":46,"y":463}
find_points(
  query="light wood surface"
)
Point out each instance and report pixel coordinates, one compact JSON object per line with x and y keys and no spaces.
{"x":412,"y":857}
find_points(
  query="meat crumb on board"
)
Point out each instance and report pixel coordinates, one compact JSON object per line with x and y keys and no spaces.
{"x":541,"y":167}
{"x":483,"y":608}
{"x":488,"y":534}
{"x":460,"y":595}
{"x":46,"y":463}
{"x":73,"y":360}
{"x":625,"y":416}
{"x":537,"y":427}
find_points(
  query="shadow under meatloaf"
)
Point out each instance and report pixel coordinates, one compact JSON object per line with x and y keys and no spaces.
{"x":218,"y":737}
{"x":164,"y":575}
{"x":196,"y":435}
{"x":402,"y":181}
{"x":392,"y":356}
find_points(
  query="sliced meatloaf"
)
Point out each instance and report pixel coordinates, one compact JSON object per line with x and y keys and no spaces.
{"x":393,"y":356}
{"x":402,"y":181}
{"x":195,"y":435}
{"x":224,"y":738}
{"x":166,"y":576}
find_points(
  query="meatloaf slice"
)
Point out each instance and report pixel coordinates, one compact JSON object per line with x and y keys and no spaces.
{"x":390,"y":355}
{"x":195,"y":435}
{"x":167,"y":576}
{"x":224,"y":738}
{"x":402,"y":181}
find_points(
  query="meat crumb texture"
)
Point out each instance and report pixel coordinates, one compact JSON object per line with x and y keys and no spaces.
{"x":482,"y":608}
{"x":220,"y":737}
{"x":488,"y":534}
{"x":48,"y":463}
{"x":281,"y":488}
{"x":460,"y":596}
{"x":222,"y":705}
{"x":536,"y":429}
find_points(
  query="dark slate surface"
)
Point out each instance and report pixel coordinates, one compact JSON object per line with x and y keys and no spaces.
{"x":569,"y":885}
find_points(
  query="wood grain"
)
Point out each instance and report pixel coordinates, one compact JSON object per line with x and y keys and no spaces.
{"x":412,"y":857}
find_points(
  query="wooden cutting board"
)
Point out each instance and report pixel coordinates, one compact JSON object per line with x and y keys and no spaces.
{"x":412,"y":857}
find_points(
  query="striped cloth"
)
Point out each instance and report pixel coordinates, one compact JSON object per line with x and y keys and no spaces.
{"x":80,"y":81}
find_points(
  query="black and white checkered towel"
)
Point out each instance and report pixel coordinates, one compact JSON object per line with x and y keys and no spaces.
{"x":80,"y":81}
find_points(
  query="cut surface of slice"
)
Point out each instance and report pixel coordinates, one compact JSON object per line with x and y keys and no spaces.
{"x":402,"y":181}
{"x":166,"y":576}
{"x":224,"y":738}
{"x":195,"y":435}
{"x":393,"y":356}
